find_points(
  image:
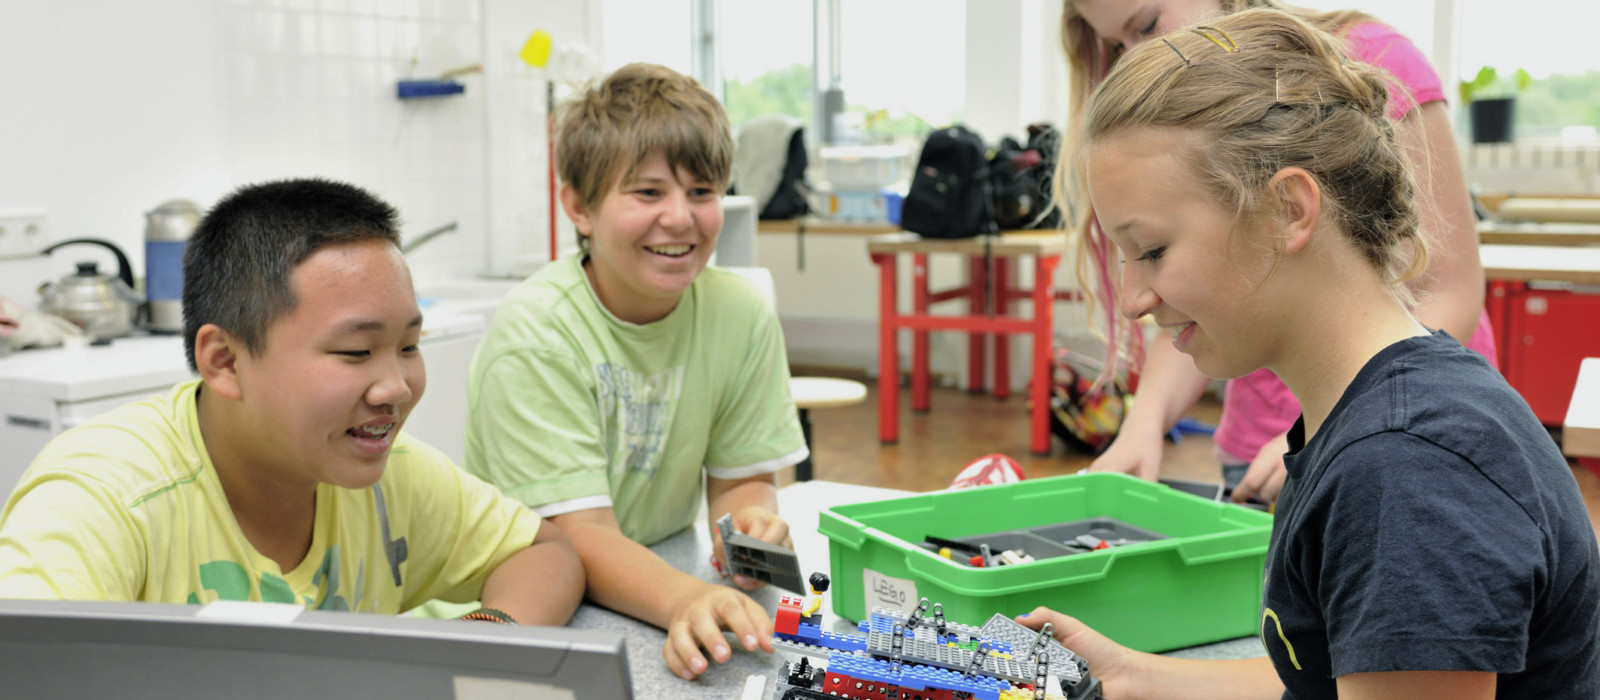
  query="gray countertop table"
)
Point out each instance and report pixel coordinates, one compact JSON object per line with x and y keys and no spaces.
{"x":690,"y":551}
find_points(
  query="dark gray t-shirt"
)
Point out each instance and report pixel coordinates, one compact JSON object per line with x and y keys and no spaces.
{"x":1432,"y":524}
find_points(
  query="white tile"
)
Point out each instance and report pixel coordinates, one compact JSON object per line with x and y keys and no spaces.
{"x":300,"y":34}
{"x":335,"y":6}
{"x":243,"y":74}
{"x":239,"y":32}
{"x":304,"y":79}
{"x":301,"y":5}
{"x":364,"y":8}
{"x":364,"y":37}
{"x":339,"y":123}
{"x":278,"y":75}
{"x":336,"y":35}
{"x":270,"y":30}
{"x":458,"y":10}
{"x":405,"y":40}
{"x":244,"y":127}
{"x":301,"y":126}
{"x":405,"y":9}
{"x":336,"y":79}
{"x":371,"y":80}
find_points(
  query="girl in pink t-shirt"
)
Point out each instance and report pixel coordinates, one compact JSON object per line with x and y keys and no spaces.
{"x":1258,"y":409}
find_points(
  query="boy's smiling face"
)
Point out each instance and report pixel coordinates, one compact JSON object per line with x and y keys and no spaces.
{"x":649,"y":238}
{"x":340,"y":371}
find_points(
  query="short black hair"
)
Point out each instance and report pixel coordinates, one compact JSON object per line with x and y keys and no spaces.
{"x":236,"y":265}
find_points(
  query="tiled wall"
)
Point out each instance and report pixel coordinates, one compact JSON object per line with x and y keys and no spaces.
{"x":310,"y":90}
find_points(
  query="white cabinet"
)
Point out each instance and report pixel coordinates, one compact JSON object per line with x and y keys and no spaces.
{"x":45,"y":392}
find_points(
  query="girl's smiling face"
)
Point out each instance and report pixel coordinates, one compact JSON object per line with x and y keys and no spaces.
{"x":1183,"y":264}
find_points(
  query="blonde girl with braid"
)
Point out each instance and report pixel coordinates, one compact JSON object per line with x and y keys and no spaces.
{"x":1257,"y":408}
{"x":1430,"y":540}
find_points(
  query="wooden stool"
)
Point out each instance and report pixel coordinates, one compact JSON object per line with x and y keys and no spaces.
{"x":820,"y":392}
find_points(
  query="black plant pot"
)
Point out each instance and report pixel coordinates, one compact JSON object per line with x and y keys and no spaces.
{"x":1492,"y":120}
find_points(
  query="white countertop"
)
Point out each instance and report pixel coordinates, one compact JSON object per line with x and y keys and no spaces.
{"x":139,"y":363}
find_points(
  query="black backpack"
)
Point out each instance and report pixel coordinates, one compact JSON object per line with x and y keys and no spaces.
{"x":1017,"y":200}
{"x":1022,"y":177}
{"x":789,"y":201}
{"x":950,"y":191}
{"x":1045,"y":140}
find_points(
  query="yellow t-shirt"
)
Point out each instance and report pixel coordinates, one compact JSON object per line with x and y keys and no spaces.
{"x":128,"y":507}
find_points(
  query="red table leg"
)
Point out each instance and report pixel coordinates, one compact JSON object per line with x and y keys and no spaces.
{"x":1002,"y":341}
{"x":921,"y":400}
{"x":977,"y":281}
{"x":888,"y":351}
{"x":1044,"y":326}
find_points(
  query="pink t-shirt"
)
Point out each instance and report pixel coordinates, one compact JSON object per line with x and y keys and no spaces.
{"x":1258,"y":407}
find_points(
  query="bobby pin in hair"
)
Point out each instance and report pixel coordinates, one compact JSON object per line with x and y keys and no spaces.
{"x":1231,"y":47}
{"x":1277,"y":80}
{"x":1176,"y":51}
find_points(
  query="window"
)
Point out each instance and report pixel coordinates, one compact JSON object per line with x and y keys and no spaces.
{"x":902,"y":67}
{"x":766,"y":54}
{"x":1552,"y":41}
{"x":901,"y":63}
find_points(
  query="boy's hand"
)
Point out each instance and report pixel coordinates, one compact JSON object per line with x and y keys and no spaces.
{"x":699,"y":625}
{"x":1108,"y":660}
{"x":757,"y":522}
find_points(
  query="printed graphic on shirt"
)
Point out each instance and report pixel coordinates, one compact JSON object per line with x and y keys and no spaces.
{"x":633,"y":413}
{"x":226,"y":579}
{"x":1277,"y":626}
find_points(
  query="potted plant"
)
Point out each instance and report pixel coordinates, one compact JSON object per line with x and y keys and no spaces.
{"x":1491,"y":105}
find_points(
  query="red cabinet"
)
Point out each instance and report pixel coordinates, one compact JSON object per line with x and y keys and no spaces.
{"x":1544,"y":330}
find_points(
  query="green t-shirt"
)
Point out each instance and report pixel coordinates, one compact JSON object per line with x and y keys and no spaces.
{"x":571,"y":408}
{"x":128,"y":507}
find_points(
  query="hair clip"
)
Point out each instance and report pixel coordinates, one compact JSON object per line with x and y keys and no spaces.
{"x":1176,"y":51}
{"x":1231,"y":47}
{"x":1277,"y":80}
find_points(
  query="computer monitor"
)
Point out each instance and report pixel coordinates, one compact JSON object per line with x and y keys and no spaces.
{"x":58,"y":649}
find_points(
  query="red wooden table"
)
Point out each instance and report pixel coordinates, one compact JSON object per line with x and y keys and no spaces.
{"x":989,"y":312}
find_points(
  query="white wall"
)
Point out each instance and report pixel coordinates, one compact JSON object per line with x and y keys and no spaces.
{"x":111,"y":108}
{"x":310,"y":91}
{"x":114,"y":107}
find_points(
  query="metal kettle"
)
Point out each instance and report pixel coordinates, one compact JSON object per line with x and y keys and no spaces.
{"x":104,"y":306}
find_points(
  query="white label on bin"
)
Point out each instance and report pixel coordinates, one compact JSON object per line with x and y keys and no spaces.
{"x":888,"y":591}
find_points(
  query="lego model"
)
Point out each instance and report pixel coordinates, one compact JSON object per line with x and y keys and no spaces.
{"x":762,"y":561}
{"x":901,"y":656}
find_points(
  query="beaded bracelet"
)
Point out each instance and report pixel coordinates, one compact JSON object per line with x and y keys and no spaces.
{"x":489,"y":615}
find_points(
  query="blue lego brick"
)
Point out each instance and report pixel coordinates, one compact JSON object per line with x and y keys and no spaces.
{"x":843,"y":642}
{"x":811,"y":635}
{"x":916,"y":677}
{"x":808,"y":633}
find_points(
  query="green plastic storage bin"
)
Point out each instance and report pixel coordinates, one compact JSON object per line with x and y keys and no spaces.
{"x":1202,"y":584}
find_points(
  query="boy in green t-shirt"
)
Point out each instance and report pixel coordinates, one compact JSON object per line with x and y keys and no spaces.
{"x":282,"y":474}
{"x":611,"y":382}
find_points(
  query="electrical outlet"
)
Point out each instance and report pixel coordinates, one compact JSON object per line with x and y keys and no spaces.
{"x":22,"y":234}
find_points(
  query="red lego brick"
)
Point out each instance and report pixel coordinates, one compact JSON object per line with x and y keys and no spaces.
{"x":788,"y":617}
